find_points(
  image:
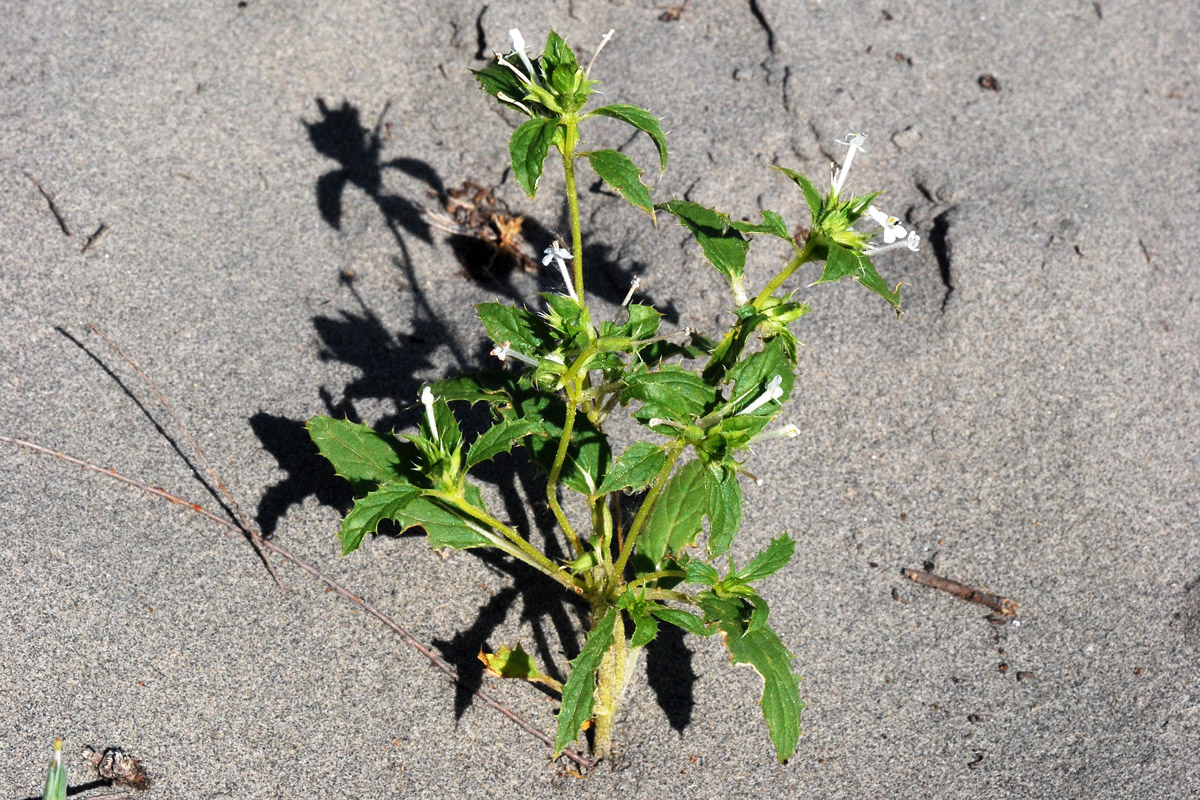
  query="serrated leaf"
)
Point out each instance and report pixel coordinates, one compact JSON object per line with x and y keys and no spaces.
{"x":444,"y":528}
{"x":762,"y":649}
{"x":385,"y":502}
{"x":723,"y":246}
{"x":643,"y":321}
{"x":579,"y":692}
{"x":619,"y":172}
{"x":701,"y":572}
{"x":496,"y":387}
{"x":811,"y":196}
{"x":773,"y":558}
{"x":772,"y":223}
{"x":842,"y":261}
{"x":752,"y":375}
{"x":557,"y":53}
{"x":641,"y":119}
{"x":528,"y":148}
{"x":671,"y":392}
{"x":724,"y":509}
{"x":523,"y":330}
{"x":677,"y":516}
{"x":516,"y":663}
{"x":500,"y":438}
{"x":359,"y":454}
{"x":645,"y":628}
{"x":682,"y":619}
{"x":496,"y":80}
{"x":635,"y":469}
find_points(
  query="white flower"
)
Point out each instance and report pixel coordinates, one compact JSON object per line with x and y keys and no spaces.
{"x":519,"y":48}
{"x":503,"y":351}
{"x":561,"y":255}
{"x":855,"y":142}
{"x":912,"y":242}
{"x":774,"y":391}
{"x":637,"y":281}
{"x":427,"y":400}
{"x":892,"y":229}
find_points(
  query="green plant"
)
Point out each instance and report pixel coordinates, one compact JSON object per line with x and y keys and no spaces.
{"x":56,"y":776}
{"x":702,"y":404}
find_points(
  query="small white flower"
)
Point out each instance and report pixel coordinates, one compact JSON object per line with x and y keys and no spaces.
{"x":561,"y":255}
{"x":632,"y":288}
{"x":854,"y":141}
{"x":503,"y":351}
{"x":912,"y":242}
{"x":892,"y":229}
{"x":519,"y":48}
{"x":427,"y":400}
{"x":773,"y":392}
{"x":511,"y":101}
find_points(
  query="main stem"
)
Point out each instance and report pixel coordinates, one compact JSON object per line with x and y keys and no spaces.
{"x":568,"y":158}
{"x":610,"y":684}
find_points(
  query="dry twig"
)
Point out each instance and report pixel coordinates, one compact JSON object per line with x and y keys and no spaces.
{"x":1001,"y":605}
{"x":346,"y":594}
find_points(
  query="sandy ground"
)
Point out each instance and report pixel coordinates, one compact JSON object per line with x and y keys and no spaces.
{"x":1030,"y":425}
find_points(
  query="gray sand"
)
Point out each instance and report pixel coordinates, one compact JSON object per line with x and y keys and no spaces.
{"x":1034,"y":431}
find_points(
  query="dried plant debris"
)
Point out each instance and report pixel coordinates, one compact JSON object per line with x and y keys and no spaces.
{"x":673,"y":13}
{"x":1004,"y":607}
{"x":490,"y":235}
{"x":114,"y":764}
{"x":989,"y":82}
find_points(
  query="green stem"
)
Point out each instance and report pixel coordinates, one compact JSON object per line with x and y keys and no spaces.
{"x":639,"y":519}
{"x":568,"y":158}
{"x":803,"y":257}
{"x":560,"y":458}
{"x":525,"y":551}
{"x":653,"y":576}
{"x":610,"y":680}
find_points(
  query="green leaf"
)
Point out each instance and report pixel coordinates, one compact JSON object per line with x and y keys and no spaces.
{"x":619,"y":172}
{"x":386,"y":502}
{"x":528,"y":147}
{"x":362,"y":456}
{"x":752,"y":375}
{"x":842,"y":261}
{"x":635,"y":469}
{"x":645,"y":628}
{"x":641,"y":119}
{"x":723,"y":246}
{"x":557,"y":53}
{"x":677,"y":516}
{"x":698,"y":571}
{"x":672,"y":393}
{"x":772,"y":559}
{"x":724,"y":509}
{"x":579,"y":692}
{"x":761,"y":648}
{"x":772,"y":223}
{"x":811,"y":195}
{"x":496,"y":80}
{"x":445,"y":528}
{"x":500,"y":438}
{"x":495,"y":387}
{"x":523,"y":330}
{"x":516,"y":663}
{"x":682,"y":619}
{"x":643,"y":321}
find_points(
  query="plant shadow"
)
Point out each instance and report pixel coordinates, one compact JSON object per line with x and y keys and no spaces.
{"x":391,"y":367}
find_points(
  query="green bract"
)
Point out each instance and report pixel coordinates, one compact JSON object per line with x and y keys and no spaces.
{"x":701,"y":403}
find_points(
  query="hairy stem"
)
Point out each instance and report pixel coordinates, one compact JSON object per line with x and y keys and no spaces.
{"x":610,"y":681}
{"x":576,"y":233}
